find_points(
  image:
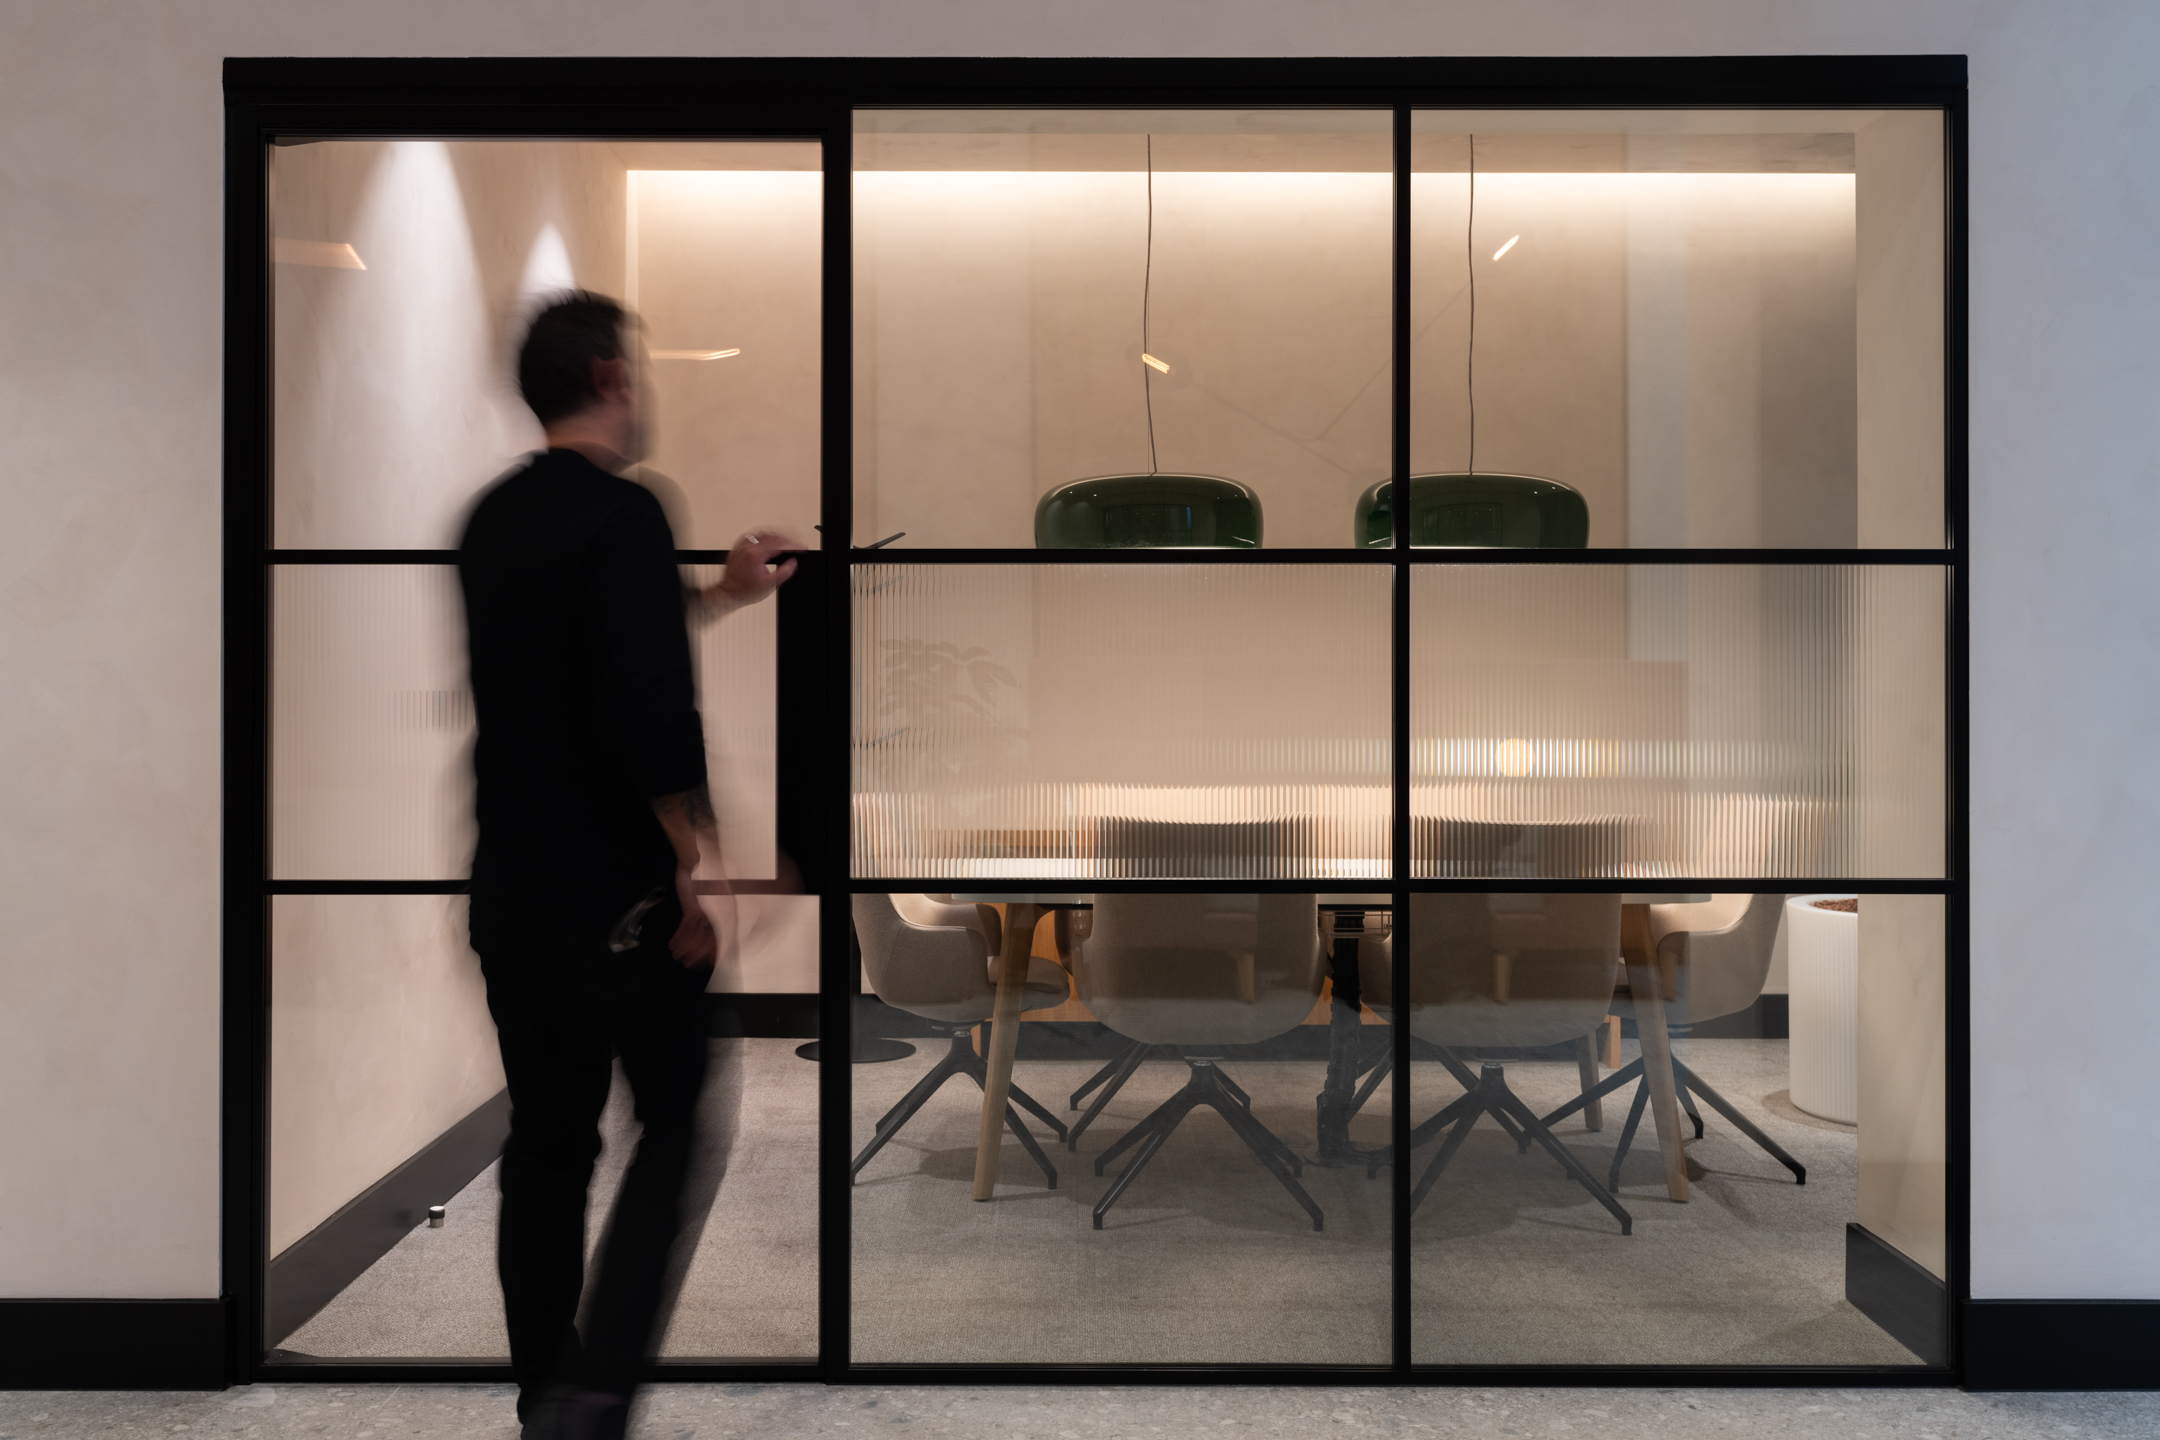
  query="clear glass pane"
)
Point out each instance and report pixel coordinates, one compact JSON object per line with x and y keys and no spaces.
{"x":372,"y":725}
{"x":1577,"y":721}
{"x":405,"y":272}
{"x":386,"y":1097}
{"x":1235,"y":1240}
{"x":1151,"y":721}
{"x":1717,"y":328}
{"x":1803,"y":1033}
{"x":1047,"y":297}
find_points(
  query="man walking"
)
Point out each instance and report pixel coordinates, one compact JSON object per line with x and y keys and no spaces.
{"x":593,"y":819}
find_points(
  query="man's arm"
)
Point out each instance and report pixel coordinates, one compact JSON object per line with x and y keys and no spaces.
{"x":693,"y":830}
{"x":748,"y":579}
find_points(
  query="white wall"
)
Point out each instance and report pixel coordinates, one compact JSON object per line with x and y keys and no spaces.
{"x":110,"y":236}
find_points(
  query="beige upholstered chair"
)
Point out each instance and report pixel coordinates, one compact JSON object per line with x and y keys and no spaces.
{"x":1192,"y":975}
{"x":936,"y":961}
{"x":1712,"y":959}
{"x":1495,"y":973}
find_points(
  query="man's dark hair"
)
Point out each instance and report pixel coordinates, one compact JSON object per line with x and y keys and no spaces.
{"x":555,"y":363}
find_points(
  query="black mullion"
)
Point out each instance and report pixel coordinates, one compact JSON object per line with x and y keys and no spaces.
{"x":1422,"y":555}
{"x":245,"y":1057}
{"x":1090,"y":885}
{"x":1149,"y":556}
{"x":1399,"y":1274}
{"x":1668,"y":884}
{"x":831,"y":802}
{"x":475,"y":91}
{"x":1957,"y":858}
{"x":436,"y":557}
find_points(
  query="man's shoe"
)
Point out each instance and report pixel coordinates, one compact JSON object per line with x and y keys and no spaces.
{"x":579,"y":1415}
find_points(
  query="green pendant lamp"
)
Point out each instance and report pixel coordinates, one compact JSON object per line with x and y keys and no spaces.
{"x":1484,"y":509}
{"x":1127,"y":512}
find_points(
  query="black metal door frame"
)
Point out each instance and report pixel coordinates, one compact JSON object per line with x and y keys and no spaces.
{"x":270,"y":100}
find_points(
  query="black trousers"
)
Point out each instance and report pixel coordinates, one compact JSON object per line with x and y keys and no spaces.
{"x":565,"y":1006}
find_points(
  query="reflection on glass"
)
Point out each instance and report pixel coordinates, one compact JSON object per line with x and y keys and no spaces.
{"x":380,"y":1047}
{"x":1161,"y":1139}
{"x":1637,"y":721}
{"x":405,"y":271}
{"x":1721,"y":328}
{"x":1156,"y":721}
{"x":384,"y":1067}
{"x":1043,"y":297}
{"x":1606,"y":1121}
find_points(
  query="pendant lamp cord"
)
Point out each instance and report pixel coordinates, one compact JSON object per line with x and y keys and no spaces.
{"x":1470,"y":264}
{"x":1147,"y":281}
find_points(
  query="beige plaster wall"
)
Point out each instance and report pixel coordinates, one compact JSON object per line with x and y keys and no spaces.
{"x":109,"y":567}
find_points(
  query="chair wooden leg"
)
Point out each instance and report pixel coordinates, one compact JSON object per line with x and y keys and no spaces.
{"x":1586,"y":1066}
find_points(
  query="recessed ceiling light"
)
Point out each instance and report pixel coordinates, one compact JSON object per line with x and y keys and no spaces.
{"x":1154,"y":362}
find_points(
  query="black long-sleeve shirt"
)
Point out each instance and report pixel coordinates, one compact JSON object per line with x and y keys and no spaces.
{"x":582,"y":688}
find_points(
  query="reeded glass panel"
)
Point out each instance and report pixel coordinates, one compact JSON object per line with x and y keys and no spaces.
{"x":1717,"y":328}
{"x":1674,"y":1129}
{"x":1652,"y":720}
{"x":1195,"y":298}
{"x":1121,"y":721}
{"x":386,"y":1097}
{"x":372,"y":724}
{"x":1167,"y":1066}
{"x":405,"y":271}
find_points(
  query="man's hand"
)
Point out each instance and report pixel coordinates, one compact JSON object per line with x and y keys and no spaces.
{"x":695,"y":943}
{"x":688,"y":820}
{"x":751,"y":575}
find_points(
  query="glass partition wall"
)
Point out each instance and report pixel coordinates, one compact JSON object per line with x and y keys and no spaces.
{"x":1281,"y":567}
{"x":1665,"y":607}
{"x":403,"y":272}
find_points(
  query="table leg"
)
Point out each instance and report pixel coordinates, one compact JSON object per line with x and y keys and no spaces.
{"x":1004,"y":1038}
{"x":1332,"y":1125}
{"x":1648,"y":988}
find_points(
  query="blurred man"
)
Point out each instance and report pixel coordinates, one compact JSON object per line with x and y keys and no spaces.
{"x":593,"y":820}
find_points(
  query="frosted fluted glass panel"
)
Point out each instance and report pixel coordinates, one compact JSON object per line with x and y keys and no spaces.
{"x":1013,"y":267}
{"x":736,"y":669}
{"x":1653,"y":720}
{"x":1172,"y":721}
{"x":372,"y":725}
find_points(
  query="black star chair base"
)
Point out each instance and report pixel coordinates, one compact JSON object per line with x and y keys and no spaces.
{"x":1499,"y":973}
{"x":934,"y":960}
{"x":1187,"y":976}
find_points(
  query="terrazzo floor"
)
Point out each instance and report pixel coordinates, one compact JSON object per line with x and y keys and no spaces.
{"x":795,"y":1412}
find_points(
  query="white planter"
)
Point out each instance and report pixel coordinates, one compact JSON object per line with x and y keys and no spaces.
{"x":1823,"y":949}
